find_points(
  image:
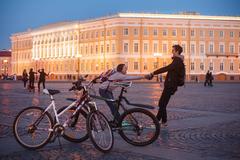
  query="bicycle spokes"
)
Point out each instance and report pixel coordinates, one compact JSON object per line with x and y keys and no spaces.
{"x":138,"y":127}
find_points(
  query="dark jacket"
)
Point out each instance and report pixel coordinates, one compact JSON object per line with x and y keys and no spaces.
{"x":25,"y":76}
{"x":31,"y":75}
{"x":42,"y":76}
{"x":171,"y":81}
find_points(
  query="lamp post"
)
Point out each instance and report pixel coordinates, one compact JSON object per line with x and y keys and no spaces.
{"x":78,"y":70}
{"x":157,"y":55}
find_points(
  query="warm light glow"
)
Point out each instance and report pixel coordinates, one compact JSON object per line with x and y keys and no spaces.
{"x":157,"y":54}
{"x":79,"y":55}
{"x":5,"y":60}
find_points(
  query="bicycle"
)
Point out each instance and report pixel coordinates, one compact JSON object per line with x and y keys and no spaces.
{"x":135,"y":126}
{"x":38,"y":125}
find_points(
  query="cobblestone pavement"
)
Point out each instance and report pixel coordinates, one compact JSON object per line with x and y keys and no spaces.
{"x":204,"y":123}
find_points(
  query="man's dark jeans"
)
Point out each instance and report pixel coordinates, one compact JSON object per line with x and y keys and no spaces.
{"x":39,"y":82}
{"x":162,"y":112}
{"x":112,"y":105}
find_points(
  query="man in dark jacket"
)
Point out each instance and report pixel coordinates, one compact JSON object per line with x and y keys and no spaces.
{"x":171,"y":81}
{"x":42,"y":79}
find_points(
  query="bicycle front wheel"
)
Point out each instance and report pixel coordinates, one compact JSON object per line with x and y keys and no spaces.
{"x":100,"y":131}
{"x":33,"y":129}
{"x":139,"y":127}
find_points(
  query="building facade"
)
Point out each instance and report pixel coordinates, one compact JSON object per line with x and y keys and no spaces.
{"x":5,"y":63}
{"x":142,"y":41}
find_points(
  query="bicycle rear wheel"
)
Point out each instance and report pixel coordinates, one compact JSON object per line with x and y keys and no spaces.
{"x":100,"y":132}
{"x":33,"y":129}
{"x":139,"y":127}
{"x":76,"y":130}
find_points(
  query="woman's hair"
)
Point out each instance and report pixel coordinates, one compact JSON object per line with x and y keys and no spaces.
{"x":31,"y":70}
{"x":120,"y":67}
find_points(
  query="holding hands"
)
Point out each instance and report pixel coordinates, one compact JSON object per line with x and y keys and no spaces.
{"x":149,"y":76}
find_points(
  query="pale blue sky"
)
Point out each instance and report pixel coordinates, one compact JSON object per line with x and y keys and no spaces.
{"x":19,"y":15}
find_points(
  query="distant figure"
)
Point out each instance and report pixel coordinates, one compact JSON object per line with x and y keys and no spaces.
{"x":14,"y":77}
{"x":160,"y":78}
{"x":24,"y":77}
{"x":31,"y":80}
{"x":42,"y":79}
{"x":196,"y":79}
{"x":207,"y":77}
{"x":210,"y":79}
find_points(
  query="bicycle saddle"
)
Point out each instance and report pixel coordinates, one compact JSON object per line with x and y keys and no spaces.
{"x":50,"y":91}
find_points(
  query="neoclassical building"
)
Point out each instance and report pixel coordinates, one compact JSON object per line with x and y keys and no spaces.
{"x":142,"y":41}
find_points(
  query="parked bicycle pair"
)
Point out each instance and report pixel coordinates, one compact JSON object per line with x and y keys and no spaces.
{"x":34,"y":126}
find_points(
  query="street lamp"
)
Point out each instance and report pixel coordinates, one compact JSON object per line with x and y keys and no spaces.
{"x":157,"y":55}
{"x":78,"y":56}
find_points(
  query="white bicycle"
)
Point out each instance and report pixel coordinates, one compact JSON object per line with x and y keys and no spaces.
{"x":34,"y":126}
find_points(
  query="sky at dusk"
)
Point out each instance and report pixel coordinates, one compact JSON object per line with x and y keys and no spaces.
{"x":19,"y":15}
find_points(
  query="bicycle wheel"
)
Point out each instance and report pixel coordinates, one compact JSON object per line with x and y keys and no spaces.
{"x":33,"y":129}
{"x":139,"y":127}
{"x":100,"y":131}
{"x":75,"y":129}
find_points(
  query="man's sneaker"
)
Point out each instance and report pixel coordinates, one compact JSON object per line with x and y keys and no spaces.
{"x":126,"y":124}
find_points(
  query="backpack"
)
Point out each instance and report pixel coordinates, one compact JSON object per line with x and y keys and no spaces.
{"x":181,"y":75}
{"x":105,"y":75}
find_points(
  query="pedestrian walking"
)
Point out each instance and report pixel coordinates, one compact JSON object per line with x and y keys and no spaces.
{"x":24,"y":78}
{"x":210,"y":79}
{"x":207,"y":77}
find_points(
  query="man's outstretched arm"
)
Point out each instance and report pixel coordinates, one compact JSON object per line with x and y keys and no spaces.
{"x":166,"y":68}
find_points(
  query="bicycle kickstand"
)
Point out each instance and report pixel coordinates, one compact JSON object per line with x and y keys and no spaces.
{"x":59,"y":142}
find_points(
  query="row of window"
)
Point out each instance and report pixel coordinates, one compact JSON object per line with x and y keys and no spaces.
{"x":183,"y":32}
{"x":211,"y":68}
{"x":126,"y":32}
{"x":112,"y":48}
{"x":202,"y":49}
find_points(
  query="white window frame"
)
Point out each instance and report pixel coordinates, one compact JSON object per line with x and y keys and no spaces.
{"x":155,"y":29}
{"x":204,"y":48}
{"x":230,"y":47}
{"x":125,"y":42}
{"x":222,"y":34}
{"x":153,"y":49}
{"x":221,"y":44}
{"x":165,"y":43}
{"x":125,"y":31}
{"x":165,"y":31}
{"x":209,"y":48}
{"x":135,"y":42}
{"x":145,"y":42}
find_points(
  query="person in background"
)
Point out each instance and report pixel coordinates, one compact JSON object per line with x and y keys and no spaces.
{"x":207,"y":77}
{"x":42,"y":79}
{"x":24,"y":77}
{"x":210,"y":79}
{"x":31,"y":80}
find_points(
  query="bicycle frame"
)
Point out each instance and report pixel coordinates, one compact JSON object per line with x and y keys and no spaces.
{"x":79,"y":102}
